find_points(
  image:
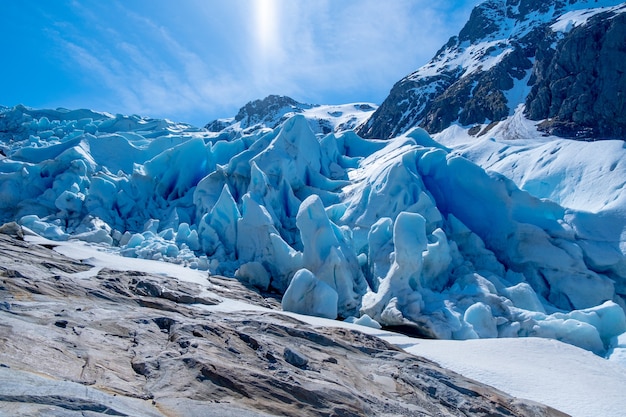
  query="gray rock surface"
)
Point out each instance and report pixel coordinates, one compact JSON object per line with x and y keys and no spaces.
{"x":133,"y":344}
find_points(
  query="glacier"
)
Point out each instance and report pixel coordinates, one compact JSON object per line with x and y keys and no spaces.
{"x":404,"y":233}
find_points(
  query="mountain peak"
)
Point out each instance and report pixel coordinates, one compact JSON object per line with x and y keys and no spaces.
{"x":273,"y":110}
{"x":271,"y":106}
{"x":268,"y":111}
{"x":504,"y":52}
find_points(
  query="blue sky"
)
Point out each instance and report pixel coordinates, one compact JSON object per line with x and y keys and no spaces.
{"x":197,"y":60}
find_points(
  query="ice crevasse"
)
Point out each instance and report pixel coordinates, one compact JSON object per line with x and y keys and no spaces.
{"x":400,"y":232}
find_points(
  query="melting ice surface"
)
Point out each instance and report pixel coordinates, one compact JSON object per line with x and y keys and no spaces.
{"x":400,"y":232}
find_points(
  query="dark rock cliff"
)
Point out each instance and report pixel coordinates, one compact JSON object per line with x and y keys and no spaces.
{"x":580,"y":86}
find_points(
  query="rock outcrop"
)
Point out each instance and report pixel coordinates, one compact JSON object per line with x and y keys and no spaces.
{"x":506,"y":48}
{"x":81,"y":341}
{"x":267,"y":112}
{"x":579,"y":87}
{"x":274,"y":110}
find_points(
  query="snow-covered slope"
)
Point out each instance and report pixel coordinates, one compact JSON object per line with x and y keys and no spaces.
{"x":585,"y":176}
{"x":404,"y":231}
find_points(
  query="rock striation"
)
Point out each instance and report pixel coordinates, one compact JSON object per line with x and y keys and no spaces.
{"x":76,"y":341}
{"x":560,"y":59}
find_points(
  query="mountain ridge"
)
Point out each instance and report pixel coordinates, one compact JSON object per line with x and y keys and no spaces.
{"x":273,"y":110}
{"x":473,"y":78}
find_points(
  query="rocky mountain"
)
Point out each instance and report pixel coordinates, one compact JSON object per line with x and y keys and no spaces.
{"x":560,"y":59}
{"x":266,"y":112}
{"x":273,"y":110}
{"x":79,"y":340}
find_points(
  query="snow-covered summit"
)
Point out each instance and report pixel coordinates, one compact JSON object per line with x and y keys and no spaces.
{"x":403,"y":231}
{"x":515,"y":52}
{"x":274,"y":110}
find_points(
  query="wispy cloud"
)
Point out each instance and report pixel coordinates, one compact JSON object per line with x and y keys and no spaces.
{"x":142,"y":66}
{"x":201,"y":59}
{"x":353,"y":48}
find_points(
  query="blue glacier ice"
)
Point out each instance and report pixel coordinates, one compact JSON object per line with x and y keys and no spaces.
{"x":401,"y":232}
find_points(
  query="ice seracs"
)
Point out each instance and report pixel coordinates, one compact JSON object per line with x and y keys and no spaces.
{"x":309,"y":295}
{"x":327,"y":253}
{"x":403,"y":280}
{"x":404,"y":231}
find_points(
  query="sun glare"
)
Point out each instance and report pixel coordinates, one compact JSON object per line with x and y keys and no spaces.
{"x":267,"y":25}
